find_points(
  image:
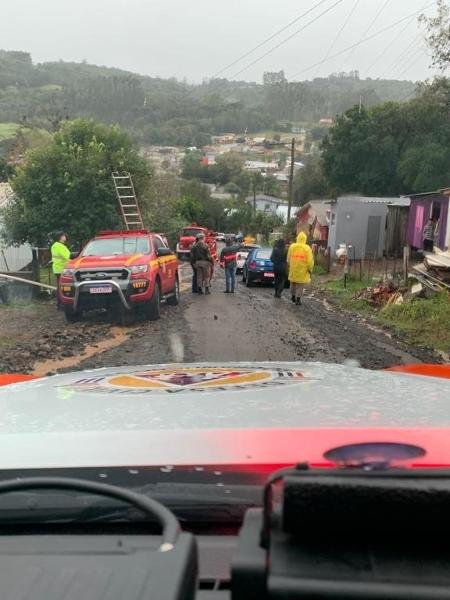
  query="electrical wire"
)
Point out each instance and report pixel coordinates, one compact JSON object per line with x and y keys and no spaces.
{"x":268,"y":39}
{"x":371,"y":24}
{"x":419,"y":52}
{"x":338,"y":35}
{"x":404,"y":54}
{"x":370,"y":37}
{"x":392,"y":42}
{"x":287,"y":39}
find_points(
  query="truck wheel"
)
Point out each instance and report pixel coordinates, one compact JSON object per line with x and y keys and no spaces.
{"x":154,"y":304}
{"x":72,"y":316}
{"x":174,"y":299}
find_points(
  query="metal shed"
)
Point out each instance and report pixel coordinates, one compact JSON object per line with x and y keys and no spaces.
{"x":359,"y":221}
{"x":396,"y":226}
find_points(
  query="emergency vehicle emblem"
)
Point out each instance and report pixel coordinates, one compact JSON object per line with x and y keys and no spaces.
{"x":179,"y":379}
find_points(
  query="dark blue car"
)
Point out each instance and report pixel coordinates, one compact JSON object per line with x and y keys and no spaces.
{"x":258,"y":267}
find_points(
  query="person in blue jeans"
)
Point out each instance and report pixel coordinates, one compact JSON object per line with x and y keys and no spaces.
{"x":228,"y":263}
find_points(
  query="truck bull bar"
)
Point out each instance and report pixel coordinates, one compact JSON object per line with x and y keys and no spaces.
{"x":111,"y":282}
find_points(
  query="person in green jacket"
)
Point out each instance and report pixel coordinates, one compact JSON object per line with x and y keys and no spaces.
{"x":60,"y":257}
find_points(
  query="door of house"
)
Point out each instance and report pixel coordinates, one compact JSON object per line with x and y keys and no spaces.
{"x":373,"y":236}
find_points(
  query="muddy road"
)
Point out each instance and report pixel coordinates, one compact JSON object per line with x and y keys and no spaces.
{"x":253,"y":325}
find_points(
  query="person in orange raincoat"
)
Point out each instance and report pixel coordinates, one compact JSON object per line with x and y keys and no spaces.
{"x":300,"y":262}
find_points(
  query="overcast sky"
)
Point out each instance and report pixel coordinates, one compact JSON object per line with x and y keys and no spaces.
{"x":196,"y":39}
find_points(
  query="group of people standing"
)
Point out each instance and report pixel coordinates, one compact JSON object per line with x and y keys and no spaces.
{"x":294,"y":264}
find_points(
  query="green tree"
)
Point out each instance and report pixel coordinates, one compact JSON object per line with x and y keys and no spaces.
{"x":438,"y":34}
{"x":67,"y":184}
{"x":228,"y":166}
{"x":310,"y":182}
{"x":4,"y":171}
{"x":271,"y":186}
{"x":232,"y":188}
{"x":264,"y":224}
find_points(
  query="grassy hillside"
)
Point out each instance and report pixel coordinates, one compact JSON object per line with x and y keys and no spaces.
{"x":167,"y":111}
{"x":8,"y":131}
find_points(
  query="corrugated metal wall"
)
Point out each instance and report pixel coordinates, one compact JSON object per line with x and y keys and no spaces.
{"x":14,"y":259}
{"x":396,"y":224}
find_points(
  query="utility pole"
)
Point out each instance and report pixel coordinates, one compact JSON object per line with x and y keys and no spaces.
{"x":254,"y":194}
{"x":291,"y":180}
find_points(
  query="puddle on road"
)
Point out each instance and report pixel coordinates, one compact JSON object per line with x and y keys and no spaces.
{"x":116,"y":336}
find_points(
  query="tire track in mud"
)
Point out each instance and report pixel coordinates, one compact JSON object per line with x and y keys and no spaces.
{"x":252,"y":325}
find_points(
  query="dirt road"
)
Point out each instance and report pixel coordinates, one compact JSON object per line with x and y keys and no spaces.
{"x":253,"y":325}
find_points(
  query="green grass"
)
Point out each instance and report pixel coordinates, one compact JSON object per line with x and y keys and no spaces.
{"x":8,"y":130}
{"x":425,"y":321}
{"x":47,"y":276}
{"x":51,"y":87}
{"x":422,"y":321}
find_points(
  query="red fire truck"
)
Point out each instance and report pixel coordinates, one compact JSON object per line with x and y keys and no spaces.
{"x":187,"y":238}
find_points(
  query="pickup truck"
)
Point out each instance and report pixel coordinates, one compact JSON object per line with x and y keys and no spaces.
{"x":187,"y":238}
{"x":132,"y":271}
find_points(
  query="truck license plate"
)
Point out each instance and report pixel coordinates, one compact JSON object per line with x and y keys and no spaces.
{"x":105,"y":289}
{"x":268,"y":275}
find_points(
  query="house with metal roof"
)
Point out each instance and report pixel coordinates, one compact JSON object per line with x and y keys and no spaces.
{"x":360,"y":222}
{"x":423,"y":207}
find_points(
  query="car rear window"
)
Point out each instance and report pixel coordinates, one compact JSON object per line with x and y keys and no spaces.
{"x":264,"y":254}
{"x":190,"y":232}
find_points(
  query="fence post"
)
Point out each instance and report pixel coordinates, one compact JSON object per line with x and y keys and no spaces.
{"x":35,"y":270}
{"x":406,"y":255}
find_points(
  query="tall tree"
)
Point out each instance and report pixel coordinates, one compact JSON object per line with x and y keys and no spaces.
{"x":67,"y":184}
{"x":438,"y":38}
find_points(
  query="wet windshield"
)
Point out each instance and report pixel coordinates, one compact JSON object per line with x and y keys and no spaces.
{"x":125,"y":245}
{"x":263,"y":254}
{"x":190,"y":232}
{"x":315,"y":136}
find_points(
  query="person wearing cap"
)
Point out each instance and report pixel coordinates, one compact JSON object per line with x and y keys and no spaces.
{"x":60,"y":257}
{"x":201,"y":260}
{"x":227,"y":260}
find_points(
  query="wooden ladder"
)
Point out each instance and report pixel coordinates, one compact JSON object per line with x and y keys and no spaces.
{"x":128,"y":202}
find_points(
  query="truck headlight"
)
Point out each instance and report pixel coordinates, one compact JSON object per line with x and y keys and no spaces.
{"x":139,"y":269}
{"x":68,"y":272}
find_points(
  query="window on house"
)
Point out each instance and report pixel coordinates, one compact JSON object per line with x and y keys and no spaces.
{"x":267,"y":206}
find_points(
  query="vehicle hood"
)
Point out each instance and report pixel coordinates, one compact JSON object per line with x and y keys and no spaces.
{"x":230,"y":414}
{"x":188,"y":239}
{"x":114,"y":260}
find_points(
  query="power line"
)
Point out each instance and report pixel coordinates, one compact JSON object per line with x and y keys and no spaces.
{"x":268,"y":39}
{"x":287,"y":39}
{"x":407,"y":66}
{"x":371,"y":24}
{"x":338,"y":35}
{"x":370,"y":37}
{"x":401,"y":57}
{"x":392,"y":42}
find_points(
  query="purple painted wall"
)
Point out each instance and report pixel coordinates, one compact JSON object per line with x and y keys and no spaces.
{"x":419,"y":213}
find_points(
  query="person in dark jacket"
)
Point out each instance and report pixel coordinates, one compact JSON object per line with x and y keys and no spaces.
{"x":202,"y":260}
{"x":278,"y":257}
{"x":228,"y":263}
{"x":194,"y":270}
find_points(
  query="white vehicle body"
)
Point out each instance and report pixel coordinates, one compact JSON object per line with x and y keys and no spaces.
{"x":242,"y":256}
{"x":210,"y":414}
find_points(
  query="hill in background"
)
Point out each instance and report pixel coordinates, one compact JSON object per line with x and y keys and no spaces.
{"x":167,"y":111}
